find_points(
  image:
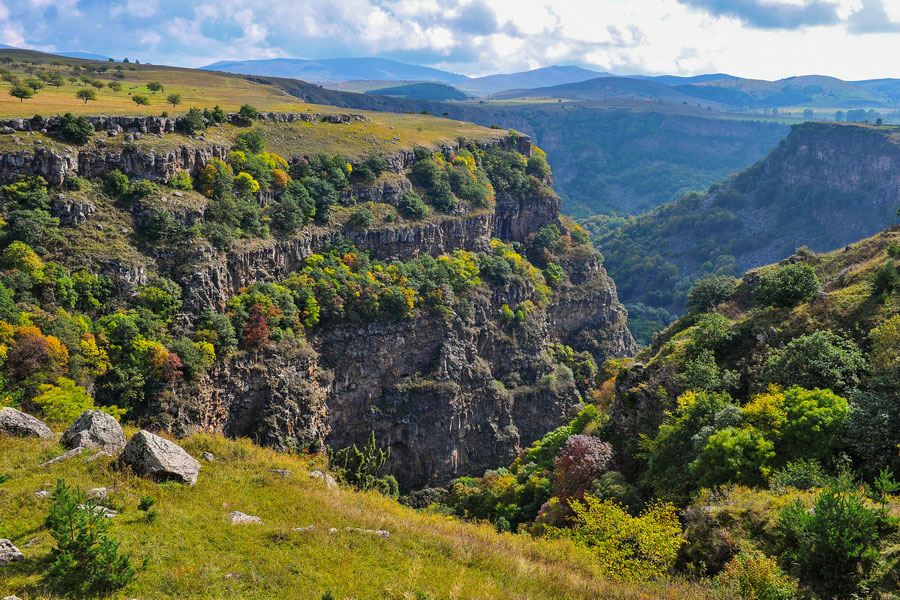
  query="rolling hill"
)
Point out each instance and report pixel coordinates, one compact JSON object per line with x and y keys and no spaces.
{"x":422,"y":91}
{"x":536,"y":78}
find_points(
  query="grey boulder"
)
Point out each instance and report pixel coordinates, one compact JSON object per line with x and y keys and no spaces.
{"x":95,"y":429}
{"x":159,"y":459}
{"x":9,"y":553}
{"x":18,"y":424}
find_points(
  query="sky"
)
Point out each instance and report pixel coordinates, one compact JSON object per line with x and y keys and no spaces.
{"x":765,"y":39}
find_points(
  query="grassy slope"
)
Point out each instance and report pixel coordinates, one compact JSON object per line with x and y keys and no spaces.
{"x":386,"y":132}
{"x":192,"y":551}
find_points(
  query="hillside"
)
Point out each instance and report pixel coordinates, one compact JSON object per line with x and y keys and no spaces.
{"x":336,"y":69}
{"x":423,"y":91}
{"x":825,"y":186}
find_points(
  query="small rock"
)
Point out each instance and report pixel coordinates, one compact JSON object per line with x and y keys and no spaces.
{"x":239,"y":518}
{"x":32,"y":542}
{"x":41,"y":494}
{"x":208,"y":456}
{"x":7,"y":130}
{"x":177,"y":194}
{"x":332,"y":530}
{"x":97,"y":493}
{"x":95,"y":429}
{"x":62,"y":457}
{"x":11,"y":598}
{"x":325,"y":478}
{"x":159,"y":459}
{"x":379,"y":532}
{"x":102,"y":511}
{"x":18,"y":424}
{"x":234,"y":575}
{"x":282,"y":472}
{"x":307,"y":528}
{"x":9,"y":553}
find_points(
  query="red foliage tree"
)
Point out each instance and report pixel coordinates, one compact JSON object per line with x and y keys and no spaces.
{"x":582,"y":459}
{"x":256,"y":329}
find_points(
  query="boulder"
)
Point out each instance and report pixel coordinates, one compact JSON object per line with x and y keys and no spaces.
{"x":9,"y":553}
{"x":95,"y":429}
{"x":18,"y":424}
{"x":325,"y":478}
{"x":159,"y":459}
{"x":239,"y":518}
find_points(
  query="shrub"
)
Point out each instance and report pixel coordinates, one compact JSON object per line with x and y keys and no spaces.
{"x":116,"y":184}
{"x":538,"y":167}
{"x":736,"y":455}
{"x":359,"y":468}
{"x":86,"y":560}
{"x":582,"y":459}
{"x":362,"y":218}
{"x":191,"y":122}
{"x":252,"y":141}
{"x":412,"y":206}
{"x":709,"y":292}
{"x":801,"y":474}
{"x":627,"y":548}
{"x":77,"y":130}
{"x":29,"y":192}
{"x":834,"y":546}
{"x":818,"y":360}
{"x":873,"y":427}
{"x":751,"y":575}
{"x":247,"y":113}
{"x":787,"y":285}
{"x":886,"y":280}
{"x":181,"y":181}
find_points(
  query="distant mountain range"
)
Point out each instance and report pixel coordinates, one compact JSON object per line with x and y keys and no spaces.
{"x":84,"y":55}
{"x":336,"y":69}
{"x":537,"y":78}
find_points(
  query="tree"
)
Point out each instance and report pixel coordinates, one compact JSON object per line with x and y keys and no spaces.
{"x":115,"y":86}
{"x":77,"y":130}
{"x":710,"y":292}
{"x":412,"y":206}
{"x":65,"y":401}
{"x":173,"y":99}
{"x":34,"y":84}
{"x":251,"y":141}
{"x":21,"y":92}
{"x":582,"y":459}
{"x":192,"y":122}
{"x":97,"y":84}
{"x":141,"y":100}
{"x":787,"y":285}
{"x":808,"y":113}
{"x":247,"y":113}
{"x":155,"y":86}
{"x":86,"y":95}
{"x":818,"y":360}
{"x":85,"y":561}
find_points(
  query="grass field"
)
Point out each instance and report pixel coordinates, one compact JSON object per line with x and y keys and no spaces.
{"x":193,"y":553}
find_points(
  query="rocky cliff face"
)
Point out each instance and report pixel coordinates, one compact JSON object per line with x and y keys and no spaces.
{"x":451,"y":395}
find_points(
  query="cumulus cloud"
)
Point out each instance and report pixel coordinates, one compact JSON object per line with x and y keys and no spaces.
{"x":771,"y":14}
{"x":872,"y":18}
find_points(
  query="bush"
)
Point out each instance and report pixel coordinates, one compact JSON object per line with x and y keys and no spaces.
{"x":116,"y":184}
{"x":247,"y":113}
{"x":65,"y":401}
{"x":181,"y":181}
{"x":627,"y":548}
{"x":86,"y":560}
{"x":819,"y":360}
{"x":710,"y":292}
{"x":362,"y":218}
{"x":886,"y":280}
{"x":787,"y":285}
{"x":834,"y":546}
{"x":538,"y":167}
{"x":751,"y":575}
{"x":253,"y":141}
{"x":873,"y":428}
{"x":412,"y":206}
{"x":294,"y":209}
{"x":191,"y":122}
{"x":77,"y":130}
{"x":800,"y":474}
{"x":359,"y":468}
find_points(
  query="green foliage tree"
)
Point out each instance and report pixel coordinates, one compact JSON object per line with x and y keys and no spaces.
{"x":174,"y":99}
{"x":253,"y":141}
{"x":77,"y":130}
{"x":710,"y":292}
{"x":141,"y":100}
{"x":247,"y":113}
{"x":191,"y":122}
{"x":115,"y":86}
{"x":834,"y":546}
{"x":412,"y":206}
{"x":787,"y":285}
{"x":818,"y":360}
{"x":155,"y":86}
{"x":21,"y":92}
{"x":886,"y":280}
{"x":86,"y":561}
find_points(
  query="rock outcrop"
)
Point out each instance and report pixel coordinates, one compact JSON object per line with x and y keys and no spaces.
{"x":95,"y":429}
{"x":18,"y":424}
{"x":159,"y":459}
{"x":9,"y":553}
